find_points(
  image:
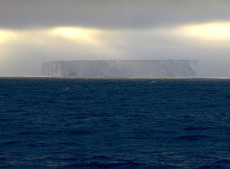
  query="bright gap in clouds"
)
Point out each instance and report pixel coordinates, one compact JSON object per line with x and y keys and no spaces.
{"x":78,"y":34}
{"x":205,"y":33}
{"x":7,"y":35}
{"x":219,"y":31}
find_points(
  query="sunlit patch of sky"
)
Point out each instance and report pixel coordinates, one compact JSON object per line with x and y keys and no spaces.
{"x":87,"y":43}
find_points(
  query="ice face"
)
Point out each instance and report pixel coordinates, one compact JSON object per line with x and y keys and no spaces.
{"x":121,"y":68}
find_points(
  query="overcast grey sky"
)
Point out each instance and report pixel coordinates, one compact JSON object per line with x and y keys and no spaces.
{"x":33,"y":31}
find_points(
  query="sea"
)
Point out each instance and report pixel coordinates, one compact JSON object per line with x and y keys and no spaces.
{"x":68,"y":123}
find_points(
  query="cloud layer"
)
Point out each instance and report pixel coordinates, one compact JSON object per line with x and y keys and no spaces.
{"x":110,"y":14}
{"x":35,"y":31}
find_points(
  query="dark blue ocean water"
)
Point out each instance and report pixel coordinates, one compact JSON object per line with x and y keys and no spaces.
{"x":114,"y":123}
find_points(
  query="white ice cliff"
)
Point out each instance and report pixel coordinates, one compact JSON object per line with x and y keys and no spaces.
{"x":120,"y":68}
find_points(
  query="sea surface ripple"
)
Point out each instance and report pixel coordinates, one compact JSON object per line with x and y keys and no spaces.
{"x":56,"y":123}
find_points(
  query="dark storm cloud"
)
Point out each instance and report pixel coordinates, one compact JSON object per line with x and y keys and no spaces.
{"x":116,"y":14}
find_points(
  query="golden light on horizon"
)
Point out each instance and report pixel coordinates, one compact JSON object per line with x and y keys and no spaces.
{"x":218,"y":31}
{"x":78,"y":34}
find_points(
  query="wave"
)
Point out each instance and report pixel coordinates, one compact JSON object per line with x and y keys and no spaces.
{"x":191,"y":137}
{"x":10,"y":143}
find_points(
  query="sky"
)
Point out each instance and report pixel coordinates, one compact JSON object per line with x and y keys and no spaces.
{"x":34,"y":31}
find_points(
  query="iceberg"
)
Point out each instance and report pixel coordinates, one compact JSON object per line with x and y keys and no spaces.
{"x":120,"y":68}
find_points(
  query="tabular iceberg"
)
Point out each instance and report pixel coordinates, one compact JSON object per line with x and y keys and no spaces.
{"x":120,"y":68}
